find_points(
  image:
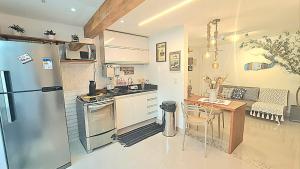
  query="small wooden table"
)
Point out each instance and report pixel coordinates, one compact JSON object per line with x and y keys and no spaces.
{"x":237,"y":118}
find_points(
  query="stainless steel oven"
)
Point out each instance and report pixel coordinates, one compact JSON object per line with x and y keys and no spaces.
{"x":96,"y":122}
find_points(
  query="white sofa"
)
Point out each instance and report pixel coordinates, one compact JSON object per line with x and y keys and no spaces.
{"x":271,"y":104}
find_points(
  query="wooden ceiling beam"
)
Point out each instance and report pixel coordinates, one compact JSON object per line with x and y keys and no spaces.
{"x":108,"y":13}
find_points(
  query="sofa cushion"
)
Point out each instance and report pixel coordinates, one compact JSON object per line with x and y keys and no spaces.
{"x":252,"y":93}
{"x":238,"y":93}
{"x":275,"y":96}
{"x":227,"y":92}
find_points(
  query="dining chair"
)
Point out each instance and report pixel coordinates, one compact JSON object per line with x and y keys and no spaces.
{"x":219,"y":113}
{"x":197,"y":115}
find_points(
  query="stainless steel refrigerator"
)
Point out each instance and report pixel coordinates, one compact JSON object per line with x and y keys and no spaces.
{"x":32,"y":112}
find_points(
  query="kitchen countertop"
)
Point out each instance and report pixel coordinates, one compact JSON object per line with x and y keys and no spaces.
{"x":127,"y":92}
{"x":123,"y":90}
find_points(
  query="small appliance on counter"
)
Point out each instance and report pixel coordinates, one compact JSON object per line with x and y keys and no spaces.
{"x":87,"y":52}
{"x":96,"y":120}
{"x":110,"y":72}
{"x":92,"y":88}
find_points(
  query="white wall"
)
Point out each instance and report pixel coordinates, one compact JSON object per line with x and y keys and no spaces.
{"x":232,"y":60}
{"x":195,"y":75}
{"x":171,"y":85}
{"x":36,"y":28}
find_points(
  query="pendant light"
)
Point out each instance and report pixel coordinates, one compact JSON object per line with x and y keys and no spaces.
{"x":213,"y":41}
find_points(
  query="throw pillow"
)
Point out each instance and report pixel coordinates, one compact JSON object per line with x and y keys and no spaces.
{"x":238,"y":93}
{"x":227,"y":92}
{"x":251,"y":93}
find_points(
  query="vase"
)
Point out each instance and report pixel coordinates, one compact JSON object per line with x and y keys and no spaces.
{"x":51,"y":36}
{"x":212,"y":95}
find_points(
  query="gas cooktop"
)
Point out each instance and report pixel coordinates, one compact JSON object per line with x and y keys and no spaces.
{"x":97,"y":98}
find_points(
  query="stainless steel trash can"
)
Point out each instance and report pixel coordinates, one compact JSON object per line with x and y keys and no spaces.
{"x":169,"y":108}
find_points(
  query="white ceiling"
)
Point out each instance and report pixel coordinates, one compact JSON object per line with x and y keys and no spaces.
{"x":53,"y":10}
{"x":235,"y":15}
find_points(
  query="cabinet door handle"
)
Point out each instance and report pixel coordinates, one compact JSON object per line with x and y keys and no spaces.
{"x":97,"y":107}
{"x":8,"y":97}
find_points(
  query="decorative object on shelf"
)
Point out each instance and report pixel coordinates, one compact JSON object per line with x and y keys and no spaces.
{"x":214,"y":41}
{"x":214,"y":85}
{"x":128,"y":70}
{"x":161,"y":52}
{"x":50,"y":34}
{"x":17,"y":30}
{"x":75,"y":38}
{"x":174,"y":61}
{"x":283,"y":50}
{"x":30,"y":39}
{"x":190,"y":63}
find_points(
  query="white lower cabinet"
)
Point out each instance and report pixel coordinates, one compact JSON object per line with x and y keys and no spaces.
{"x":135,"y":108}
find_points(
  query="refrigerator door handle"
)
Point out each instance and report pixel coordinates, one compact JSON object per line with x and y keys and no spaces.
{"x":5,"y":77}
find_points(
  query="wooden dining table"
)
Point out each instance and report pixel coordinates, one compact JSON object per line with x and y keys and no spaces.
{"x":237,"y":118}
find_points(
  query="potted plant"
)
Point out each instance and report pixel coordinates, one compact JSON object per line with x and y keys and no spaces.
{"x":16,"y":29}
{"x":50,"y":34}
{"x":214,"y":84}
{"x":75,"y":38}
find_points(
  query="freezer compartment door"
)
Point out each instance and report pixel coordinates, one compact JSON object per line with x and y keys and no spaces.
{"x":30,"y":66}
{"x":37,"y":137}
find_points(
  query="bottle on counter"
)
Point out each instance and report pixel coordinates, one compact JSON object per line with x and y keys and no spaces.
{"x":92,"y":88}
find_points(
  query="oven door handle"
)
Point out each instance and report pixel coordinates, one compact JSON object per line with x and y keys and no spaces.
{"x":97,"y":107}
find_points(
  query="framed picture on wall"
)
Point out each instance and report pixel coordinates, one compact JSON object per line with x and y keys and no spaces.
{"x":161,"y":52}
{"x":174,"y":60}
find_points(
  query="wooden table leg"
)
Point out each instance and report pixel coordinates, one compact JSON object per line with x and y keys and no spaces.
{"x":219,"y":125}
{"x":236,"y":128}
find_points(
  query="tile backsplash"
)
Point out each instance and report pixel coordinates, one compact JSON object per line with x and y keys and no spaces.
{"x":72,"y":124}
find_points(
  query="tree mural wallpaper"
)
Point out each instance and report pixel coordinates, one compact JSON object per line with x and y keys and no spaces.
{"x":283,"y":50}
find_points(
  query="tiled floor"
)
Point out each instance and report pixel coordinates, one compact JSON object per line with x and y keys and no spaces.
{"x":265,"y":146}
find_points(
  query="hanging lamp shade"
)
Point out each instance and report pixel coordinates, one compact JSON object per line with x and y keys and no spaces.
{"x":215,"y":65}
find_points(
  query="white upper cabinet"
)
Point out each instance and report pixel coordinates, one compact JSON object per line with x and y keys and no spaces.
{"x":122,"y":48}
